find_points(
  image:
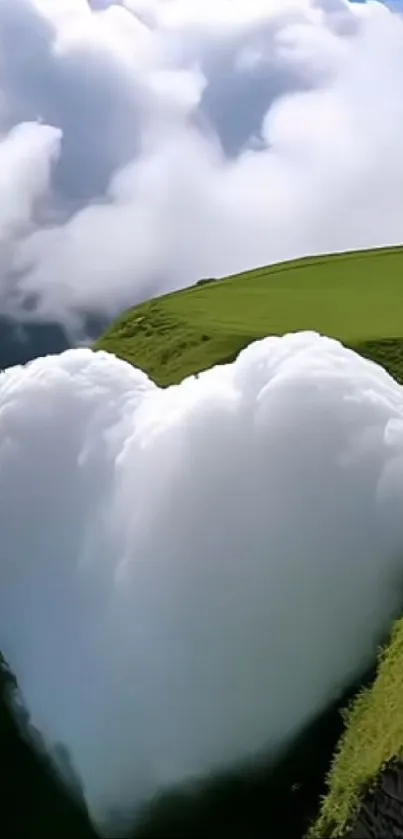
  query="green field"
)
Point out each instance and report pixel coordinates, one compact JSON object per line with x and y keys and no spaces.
{"x":356,"y":297}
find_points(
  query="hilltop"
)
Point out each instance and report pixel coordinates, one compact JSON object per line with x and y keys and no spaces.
{"x":355,"y":297}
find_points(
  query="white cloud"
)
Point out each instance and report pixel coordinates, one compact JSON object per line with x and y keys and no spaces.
{"x":189,"y":575}
{"x":26,"y":157}
{"x":203,"y":138}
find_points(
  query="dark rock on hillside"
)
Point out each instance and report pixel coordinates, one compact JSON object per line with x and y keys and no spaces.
{"x":381,"y":813}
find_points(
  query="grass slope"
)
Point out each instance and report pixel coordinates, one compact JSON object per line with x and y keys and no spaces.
{"x":372,"y":739}
{"x":356,"y":297}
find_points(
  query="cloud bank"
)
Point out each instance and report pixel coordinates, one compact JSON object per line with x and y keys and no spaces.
{"x":165,"y":141}
{"x":189,"y":575}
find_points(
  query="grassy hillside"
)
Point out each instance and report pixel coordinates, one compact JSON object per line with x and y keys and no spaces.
{"x":373,"y":739}
{"x":356,"y":297}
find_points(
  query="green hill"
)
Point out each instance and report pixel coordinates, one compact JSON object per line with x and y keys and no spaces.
{"x":356,"y":297}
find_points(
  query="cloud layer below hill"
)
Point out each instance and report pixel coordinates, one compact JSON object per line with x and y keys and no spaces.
{"x":188,"y":575}
{"x":146,"y":143}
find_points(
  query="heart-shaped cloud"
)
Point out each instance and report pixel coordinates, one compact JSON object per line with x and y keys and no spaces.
{"x":188,"y":575}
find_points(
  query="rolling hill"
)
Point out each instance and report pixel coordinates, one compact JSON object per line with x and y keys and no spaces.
{"x":355,"y":297}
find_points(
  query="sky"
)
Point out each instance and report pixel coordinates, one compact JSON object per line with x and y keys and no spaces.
{"x":148,"y":143}
{"x":194,"y":573}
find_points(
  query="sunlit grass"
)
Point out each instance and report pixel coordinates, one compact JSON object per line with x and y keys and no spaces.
{"x":355,"y":297}
{"x":373,"y":737}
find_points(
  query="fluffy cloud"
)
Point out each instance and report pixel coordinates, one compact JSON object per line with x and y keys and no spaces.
{"x":189,"y":575}
{"x":199,"y":139}
{"x":26,"y":157}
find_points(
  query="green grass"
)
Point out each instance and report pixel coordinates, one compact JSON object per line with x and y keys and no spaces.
{"x":373,"y":738}
{"x":355,"y":297}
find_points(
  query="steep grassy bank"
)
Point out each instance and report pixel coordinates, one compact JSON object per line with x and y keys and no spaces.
{"x":373,"y":740}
